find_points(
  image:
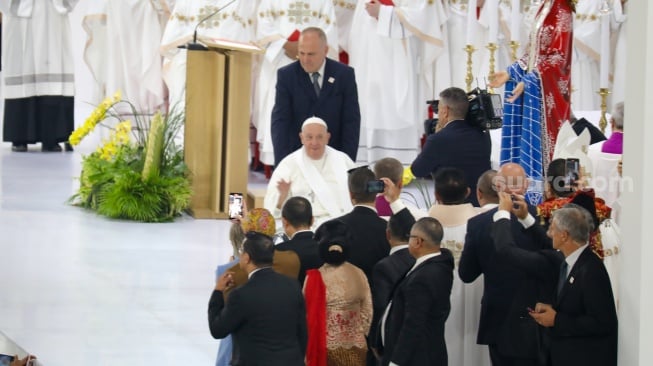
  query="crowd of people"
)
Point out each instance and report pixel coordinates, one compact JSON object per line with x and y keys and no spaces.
{"x":532,"y":283}
{"x":510,"y":267}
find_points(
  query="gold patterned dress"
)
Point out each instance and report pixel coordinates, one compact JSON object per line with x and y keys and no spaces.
{"x":348,"y":313}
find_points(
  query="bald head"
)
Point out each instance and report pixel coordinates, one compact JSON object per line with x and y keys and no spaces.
{"x":511,"y":178}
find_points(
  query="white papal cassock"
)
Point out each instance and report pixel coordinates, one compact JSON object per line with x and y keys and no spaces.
{"x":323,"y":182}
{"x":586,"y":56}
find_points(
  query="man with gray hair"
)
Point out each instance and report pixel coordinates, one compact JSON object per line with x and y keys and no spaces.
{"x":315,"y":171}
{"x":614,"y":145}
{"x":579,"y":315}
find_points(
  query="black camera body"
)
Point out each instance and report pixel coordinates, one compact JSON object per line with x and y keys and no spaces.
{"x":485,"y":111}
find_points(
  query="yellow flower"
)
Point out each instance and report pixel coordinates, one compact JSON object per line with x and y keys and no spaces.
{"x":407,"y":176}
{"x":93,"y":119}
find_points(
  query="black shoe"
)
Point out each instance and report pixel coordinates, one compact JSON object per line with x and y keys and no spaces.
{"x":68,"y":147}
{"x":52,"y":148}
{"x":19,"y":147}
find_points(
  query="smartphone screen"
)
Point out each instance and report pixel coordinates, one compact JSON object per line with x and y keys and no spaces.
{"x":5,"y":360}
{"x":235,"y":205}
{"x":375,"y":186}
{"x":572,"y":172}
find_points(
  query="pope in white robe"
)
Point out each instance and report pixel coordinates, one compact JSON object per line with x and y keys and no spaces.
{"x":234,"y":22}
{"x":279,"y":24}
{"x":316,"y":172}
{"x":394,"y":48}
{"x":122,"y":51}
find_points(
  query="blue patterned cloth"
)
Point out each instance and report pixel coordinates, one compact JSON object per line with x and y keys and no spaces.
{"x":521,"y":135}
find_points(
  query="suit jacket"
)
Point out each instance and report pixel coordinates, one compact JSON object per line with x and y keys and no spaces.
{"x":508,"y":290}
{"x":585,"y":329}
{"x":296,"y":101}
{"x":266,"y":317}
{"x":414,"y":328}
{"x":386,"y":275}
{"x":306,"y":248}
{"x":285,"y":263}
{"x":369,"y":244}
{"x":458,"y":145}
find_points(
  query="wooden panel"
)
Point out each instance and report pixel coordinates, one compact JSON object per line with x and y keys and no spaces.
{"x":203,"y":131}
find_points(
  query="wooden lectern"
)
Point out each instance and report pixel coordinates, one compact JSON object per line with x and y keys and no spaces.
{"x":216,"y":134}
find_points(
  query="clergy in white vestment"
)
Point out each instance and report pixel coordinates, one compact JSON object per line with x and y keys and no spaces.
{"x":38,"y":73}
{"x":316,"y":172}
{"x":619,"y":26}
{"x":122,"y":51}
{"x":234,"y":22}
{"x":394,"y":48}
{"x":586,"y":57}
{"x":344,"y":15}
{"x":461,"y":327}
{"x":459,"y":35}
{"x":279,"y":24}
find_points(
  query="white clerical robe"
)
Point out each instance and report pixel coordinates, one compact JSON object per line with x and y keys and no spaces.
{"x":323,"y":182}
{"x":586,"y":57}
{"x":395,"y":59}
{"x":37,"y":55}
{"x":344,"y":15}
{"x":235,"y":22}
{"x":277,"y":21}
{"x":461,"y":327}
{"x":122,"y":51}
{"x":619,"y":61}
{"x":457,"y":33}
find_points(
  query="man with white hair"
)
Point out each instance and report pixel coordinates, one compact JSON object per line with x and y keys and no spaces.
{"x":315,"y":171}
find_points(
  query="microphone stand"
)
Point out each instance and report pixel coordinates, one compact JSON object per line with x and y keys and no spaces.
{"x":196,"y":46}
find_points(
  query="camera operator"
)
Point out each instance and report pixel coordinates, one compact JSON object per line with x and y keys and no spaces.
{"x":457,"y":144}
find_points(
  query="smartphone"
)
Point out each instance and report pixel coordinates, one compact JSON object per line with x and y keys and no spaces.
{"x":375,"y":186}
{"x":235,"y":205}
{"x":5,"y":360}
{"x":572,"y":173}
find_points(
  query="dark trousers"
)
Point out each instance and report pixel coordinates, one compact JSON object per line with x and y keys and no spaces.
{"x":499,"y":359}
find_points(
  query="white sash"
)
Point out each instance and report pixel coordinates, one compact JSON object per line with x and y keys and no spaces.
{"x":335,"y":206}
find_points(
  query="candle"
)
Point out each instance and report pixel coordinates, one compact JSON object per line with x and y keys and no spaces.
{"x":605,"y":51}
{"x":515,"y":20}
{"x":471,"y":21}
{"x":493,"y":8}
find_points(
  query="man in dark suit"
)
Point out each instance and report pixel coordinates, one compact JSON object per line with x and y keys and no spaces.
{"x":582,"y":321}
{"x":266,"y":315}
{"x":511,"y":335}
{"x":297,"y":218}
{"x":456,"y":144}
{"x":390,"y":270}
{"x":413,"y":325}
{"x":315,"y":86}
{"x":369,"y":243}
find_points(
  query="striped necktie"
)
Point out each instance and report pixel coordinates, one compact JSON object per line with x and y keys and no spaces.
{"x":316,"y":85}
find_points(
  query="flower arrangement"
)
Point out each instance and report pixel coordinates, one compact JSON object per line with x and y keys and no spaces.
{"x":138,"y":173}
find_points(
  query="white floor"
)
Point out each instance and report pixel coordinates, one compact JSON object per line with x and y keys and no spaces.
{"x":79,"y":289}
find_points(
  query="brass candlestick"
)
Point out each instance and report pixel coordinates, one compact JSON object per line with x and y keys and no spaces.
{"x":492,"y":47}
{"x":603,"y":122}
{"x":514,"y":46}
{"x":470,"y":77}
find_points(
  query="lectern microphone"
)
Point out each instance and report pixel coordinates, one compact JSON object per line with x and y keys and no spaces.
{"x":195,"y":46}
